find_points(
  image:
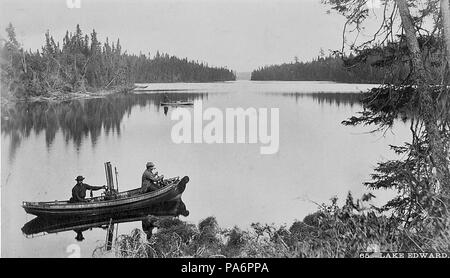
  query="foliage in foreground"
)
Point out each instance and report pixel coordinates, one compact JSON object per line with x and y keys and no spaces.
{"x":332,"y":231}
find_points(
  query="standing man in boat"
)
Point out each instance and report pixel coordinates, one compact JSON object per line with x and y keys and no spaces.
{"x":79,"y":190}
{"x":150,"y":180}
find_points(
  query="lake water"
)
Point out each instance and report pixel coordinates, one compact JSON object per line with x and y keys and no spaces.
{"x":45,"y":146}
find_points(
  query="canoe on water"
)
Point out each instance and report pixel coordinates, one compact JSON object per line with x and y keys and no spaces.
{"x":177,"y":103}
{"x":140,"y":86}
{"x":120,"y":203}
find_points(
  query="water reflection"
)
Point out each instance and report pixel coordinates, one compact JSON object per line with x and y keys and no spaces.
{"x":331,"y":99}
{"x":84,"y":118}
{"x":77,"y":119}
{"x":50,"y":225}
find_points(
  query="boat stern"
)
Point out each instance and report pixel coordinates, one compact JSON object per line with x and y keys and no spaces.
{"x":182,"y":184}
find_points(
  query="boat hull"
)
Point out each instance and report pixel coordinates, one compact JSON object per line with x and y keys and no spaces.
{"x":126,"y":201}
{"x":55,"y":225}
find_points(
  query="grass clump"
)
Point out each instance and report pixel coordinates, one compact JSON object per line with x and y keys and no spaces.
{"x":332,"y":231}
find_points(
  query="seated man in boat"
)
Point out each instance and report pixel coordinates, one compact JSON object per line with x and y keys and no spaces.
{"x":79,"y":190}
{"x":150,"y":180}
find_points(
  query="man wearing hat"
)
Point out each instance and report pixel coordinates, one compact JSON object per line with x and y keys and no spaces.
{"x":150,"y":180}
{"x":79,"y":190}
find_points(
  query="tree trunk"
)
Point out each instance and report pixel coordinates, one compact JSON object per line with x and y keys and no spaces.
{"x":445,"y":12}
{"x":428,"y":108}
{"x":412,"y":42}
{"x":24,"y":62}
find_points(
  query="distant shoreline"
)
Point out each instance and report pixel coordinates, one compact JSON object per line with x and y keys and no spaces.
{"x":61,"y":97}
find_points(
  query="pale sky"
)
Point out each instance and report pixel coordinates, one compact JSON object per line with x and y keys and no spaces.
{"x":241,"y":35}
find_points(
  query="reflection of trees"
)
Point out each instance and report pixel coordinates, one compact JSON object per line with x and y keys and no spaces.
{"x":76,"y":119}
{"x":338,"y":99}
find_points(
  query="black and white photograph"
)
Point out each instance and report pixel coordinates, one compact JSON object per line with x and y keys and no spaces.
{"x":224,"y":130}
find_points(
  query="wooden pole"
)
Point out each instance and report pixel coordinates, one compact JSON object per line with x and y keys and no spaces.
{"x":117,"y":180}
{"x":109,"y":176}
{"x":109,"y":235}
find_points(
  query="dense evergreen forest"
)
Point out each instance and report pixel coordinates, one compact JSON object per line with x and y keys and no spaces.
{"x":323,"y":68}
{"x":83,"y":63}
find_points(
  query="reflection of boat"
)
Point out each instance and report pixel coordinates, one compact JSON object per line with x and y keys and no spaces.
{"x":120,"y":203}
{"x":177,"y":103}
{"x":81,"y":223}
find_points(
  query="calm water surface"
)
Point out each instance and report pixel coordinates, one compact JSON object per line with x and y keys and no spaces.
{"x":45,"y":146}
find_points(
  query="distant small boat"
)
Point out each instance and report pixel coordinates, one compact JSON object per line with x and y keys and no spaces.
{"x":140,"y":86}
{"x":177,"y":103}
{"x":123,"y":201}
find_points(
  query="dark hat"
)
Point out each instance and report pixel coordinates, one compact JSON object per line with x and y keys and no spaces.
{"x":150,"y":164}
{"x":79,"y":236}
{"x":79,"y":178}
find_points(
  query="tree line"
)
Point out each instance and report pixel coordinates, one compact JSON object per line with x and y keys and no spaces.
{"x":323,"y":68}
{"x":83,"y":63}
